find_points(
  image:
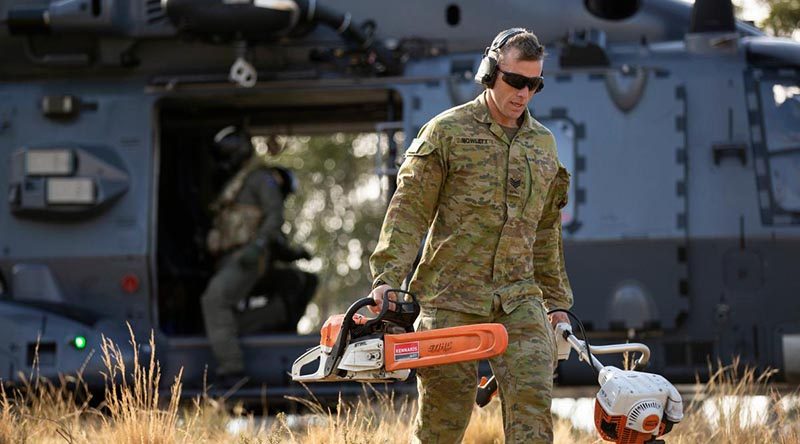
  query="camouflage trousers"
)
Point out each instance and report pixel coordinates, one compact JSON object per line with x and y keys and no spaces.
{"x":524,"y":374}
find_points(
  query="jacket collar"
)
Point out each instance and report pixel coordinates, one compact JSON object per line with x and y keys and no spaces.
{"x":480,"y":110}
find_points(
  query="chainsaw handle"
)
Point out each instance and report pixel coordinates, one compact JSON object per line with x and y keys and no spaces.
{"x":344,"y":332}
{"x":404,"y":314}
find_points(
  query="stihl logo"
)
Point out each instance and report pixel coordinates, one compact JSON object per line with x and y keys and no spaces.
{"x":440,"y":347}
{"x":406,"y":350}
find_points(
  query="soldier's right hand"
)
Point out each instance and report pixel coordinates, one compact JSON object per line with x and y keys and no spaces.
{"x":377,"y":296}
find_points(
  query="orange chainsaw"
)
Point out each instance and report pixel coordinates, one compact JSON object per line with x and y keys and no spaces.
{"x":385,"y":348}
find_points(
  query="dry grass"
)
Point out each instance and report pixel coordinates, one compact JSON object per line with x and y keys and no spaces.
{"x":41,"y":411}
{"x":716,"y":414}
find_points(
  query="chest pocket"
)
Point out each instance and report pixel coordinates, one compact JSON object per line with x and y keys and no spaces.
{"x":543,"y":171}
{"x":476,"y":175}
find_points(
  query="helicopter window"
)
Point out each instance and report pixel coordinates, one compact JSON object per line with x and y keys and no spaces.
{"x":781,"y":111}
{"x":564,"y":132}
{"x":96,"y":8}
{"x":782,"y":117}
{"x":453,"y":15}
{"x":618,"y":10}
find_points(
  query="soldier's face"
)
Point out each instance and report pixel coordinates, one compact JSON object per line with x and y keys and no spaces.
{"x":507,"y":103}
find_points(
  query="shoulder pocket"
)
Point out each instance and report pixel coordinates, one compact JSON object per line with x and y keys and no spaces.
{"x":562,"y":180}
{"x":419,"y":148}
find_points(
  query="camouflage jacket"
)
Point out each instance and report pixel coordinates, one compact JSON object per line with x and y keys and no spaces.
{"x":490,"y":208}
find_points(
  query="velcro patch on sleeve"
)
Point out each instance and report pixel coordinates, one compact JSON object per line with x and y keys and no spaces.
{"x":420,"y":147}
{"x":415,"y":146}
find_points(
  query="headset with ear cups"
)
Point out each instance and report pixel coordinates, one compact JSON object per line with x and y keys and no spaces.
{"x":487,"y":70}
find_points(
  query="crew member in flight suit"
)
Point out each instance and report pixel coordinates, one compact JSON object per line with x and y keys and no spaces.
{"x":247,"y":238}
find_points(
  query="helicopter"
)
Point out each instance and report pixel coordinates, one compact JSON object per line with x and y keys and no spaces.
{"x":679,"y":125}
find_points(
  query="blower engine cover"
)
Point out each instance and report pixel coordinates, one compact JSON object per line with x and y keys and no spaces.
{"x":634,"y":407}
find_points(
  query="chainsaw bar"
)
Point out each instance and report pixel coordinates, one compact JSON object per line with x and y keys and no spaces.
{"x":445,"y":346}
{"x":386,"y":347}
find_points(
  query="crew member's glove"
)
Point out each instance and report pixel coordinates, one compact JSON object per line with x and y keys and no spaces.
{"x":250,"y":255}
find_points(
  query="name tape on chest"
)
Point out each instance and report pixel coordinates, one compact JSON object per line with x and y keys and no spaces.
{"x":473,"y":141}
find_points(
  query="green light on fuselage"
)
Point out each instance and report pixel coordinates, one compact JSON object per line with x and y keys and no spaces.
{"x":79,"y":342}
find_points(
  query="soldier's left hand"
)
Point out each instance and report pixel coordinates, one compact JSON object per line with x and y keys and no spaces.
{"x":557,"y":318}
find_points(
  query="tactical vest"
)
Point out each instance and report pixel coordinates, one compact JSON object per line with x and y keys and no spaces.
{"x":235,"y":224}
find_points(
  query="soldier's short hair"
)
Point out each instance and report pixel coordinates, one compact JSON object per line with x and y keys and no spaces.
{"x":527,"y":44}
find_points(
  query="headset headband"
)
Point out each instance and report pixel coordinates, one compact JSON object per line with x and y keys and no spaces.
{"x":223,"y":133}
{"x":504,"y":38}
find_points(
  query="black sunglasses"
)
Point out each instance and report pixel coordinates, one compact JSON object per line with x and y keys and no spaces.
{"x":519,"y":81}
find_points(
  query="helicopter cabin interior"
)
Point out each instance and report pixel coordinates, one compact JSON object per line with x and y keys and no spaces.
{"x":189,"y":179}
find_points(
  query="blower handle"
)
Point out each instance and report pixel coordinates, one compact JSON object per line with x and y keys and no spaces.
{"x":586,"y":352}
{"x":487,"y":390}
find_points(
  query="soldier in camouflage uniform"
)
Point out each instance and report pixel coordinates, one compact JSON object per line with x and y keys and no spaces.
{"x":484,"y":182}
{"x":247,"y":237}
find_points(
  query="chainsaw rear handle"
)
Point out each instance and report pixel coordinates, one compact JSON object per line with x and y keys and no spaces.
{"x":404,"y":314}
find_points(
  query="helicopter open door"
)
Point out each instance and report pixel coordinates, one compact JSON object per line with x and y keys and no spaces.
{"x":189,"y":179}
